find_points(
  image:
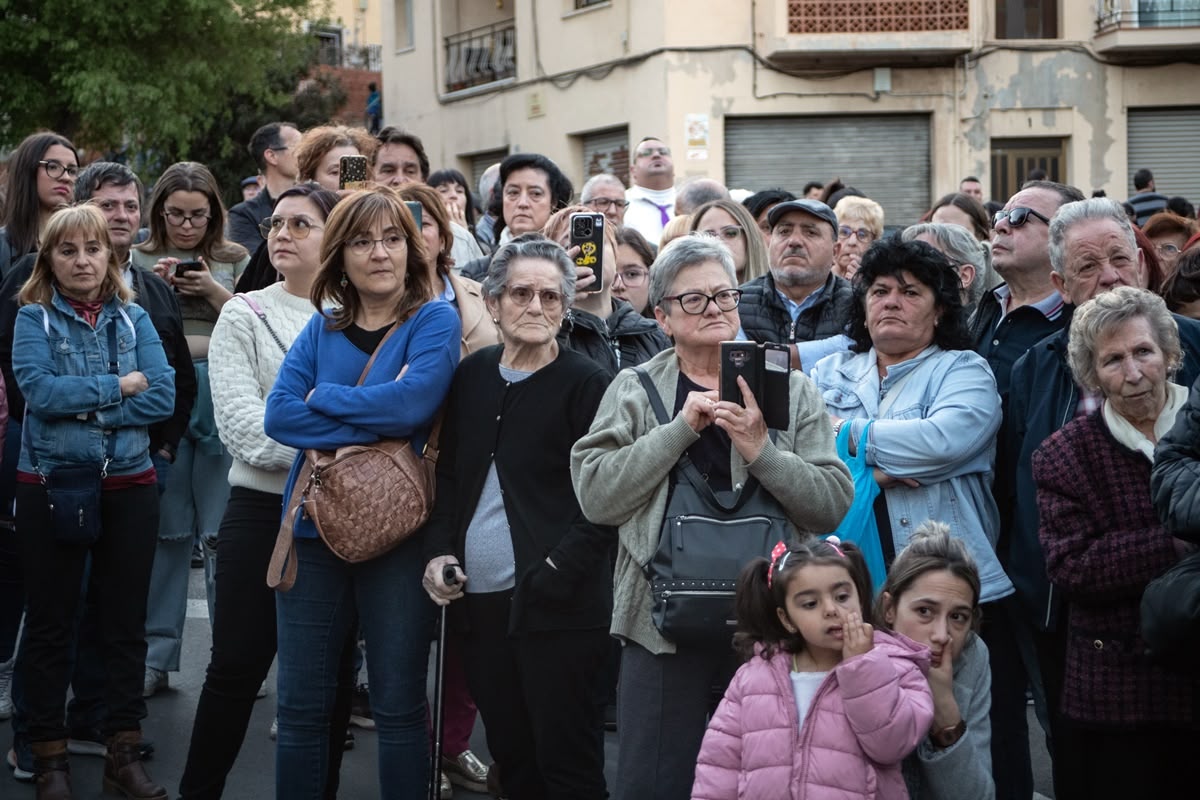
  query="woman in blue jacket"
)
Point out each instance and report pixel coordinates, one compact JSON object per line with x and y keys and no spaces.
{"x":94,"y":376}
{"x":373,"y":271}
{"x":933,"y":403}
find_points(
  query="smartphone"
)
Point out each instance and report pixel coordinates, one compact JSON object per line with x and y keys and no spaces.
{"x":587,"y":232}
{"x":414,"y":208}
{"x":352,"y":172}
{"x":739,"y":359}
{"x":187,"y":266}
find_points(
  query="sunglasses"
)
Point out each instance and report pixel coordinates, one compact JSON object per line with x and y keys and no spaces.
{"x":1017,"y":217}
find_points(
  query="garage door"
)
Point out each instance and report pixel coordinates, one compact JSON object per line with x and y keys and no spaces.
{"x":1163,"y":140}
{"x":606,"y":151}
{"x":886,"y":157}
{"x":480,"y":162}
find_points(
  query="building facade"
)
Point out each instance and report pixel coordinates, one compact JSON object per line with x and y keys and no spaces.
{"x":899,"y":98}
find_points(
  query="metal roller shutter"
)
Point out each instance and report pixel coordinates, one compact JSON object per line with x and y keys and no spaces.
{"x":1163,"y":140}
{"x":480,"y":162}
{"x":607,"y":151}
{"x":886,"y":157}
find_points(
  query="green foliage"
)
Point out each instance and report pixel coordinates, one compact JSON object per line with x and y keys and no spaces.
{"x":156,"y":80}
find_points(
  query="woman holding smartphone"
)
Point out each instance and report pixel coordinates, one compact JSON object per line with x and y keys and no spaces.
{"x":187,"y":248}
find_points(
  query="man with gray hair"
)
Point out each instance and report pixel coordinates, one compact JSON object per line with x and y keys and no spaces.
{"x":606,"y":194}
{"x":696,"y":192}
{"x":485,"y":226}
{"x":1092,"y":250}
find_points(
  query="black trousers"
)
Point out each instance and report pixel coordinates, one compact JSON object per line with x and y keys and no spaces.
{"x":243,"y":647}
{"x":536,"y":694}
{"x":1149,"y":762}
{"x":121,"y":559}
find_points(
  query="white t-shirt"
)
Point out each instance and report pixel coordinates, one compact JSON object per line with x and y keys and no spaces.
{"x":643,"y":213}
{"x":804,"y":687}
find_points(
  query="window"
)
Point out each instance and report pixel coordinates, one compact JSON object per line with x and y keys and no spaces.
{"x":329,"y":45}
{"x":1014,"y":159}
{"x":404,"y":24}
{"x":1026,"y":19}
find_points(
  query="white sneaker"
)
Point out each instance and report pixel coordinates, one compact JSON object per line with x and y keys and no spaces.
{"x":155,"y":680}
{"x":6,"y":673}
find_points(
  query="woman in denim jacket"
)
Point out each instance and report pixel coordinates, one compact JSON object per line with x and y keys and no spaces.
{"x":933,"y":402}
{"x":87,"y":406}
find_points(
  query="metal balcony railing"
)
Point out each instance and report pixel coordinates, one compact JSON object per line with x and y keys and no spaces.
{"x":481,"y":56}
{"x":877,"y":16}
{"x":1132,"y":14}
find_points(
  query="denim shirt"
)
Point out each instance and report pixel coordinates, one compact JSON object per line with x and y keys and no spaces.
{"x":73,"y":403}
{"x":939,"y":428}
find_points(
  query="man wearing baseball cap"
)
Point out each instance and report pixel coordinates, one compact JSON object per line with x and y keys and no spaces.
{"x":800,"y":302}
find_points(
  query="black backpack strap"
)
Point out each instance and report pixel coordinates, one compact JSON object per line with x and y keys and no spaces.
{"x":656,"y":402}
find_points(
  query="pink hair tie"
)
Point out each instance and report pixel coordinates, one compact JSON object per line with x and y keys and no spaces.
{"x":835,"y":543}
{"x":780,"y":549}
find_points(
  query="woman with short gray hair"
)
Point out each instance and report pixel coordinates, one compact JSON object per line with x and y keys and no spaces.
{"x":1135,"y":718}
{"x":972,"y":259}
{"x":531,"y":575}
{"x":623,"y":468}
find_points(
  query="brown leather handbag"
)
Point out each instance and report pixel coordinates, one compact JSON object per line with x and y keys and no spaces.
{"x":363,"y":499}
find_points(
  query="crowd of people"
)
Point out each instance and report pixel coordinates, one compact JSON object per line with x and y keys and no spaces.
{"x":986,"y":456}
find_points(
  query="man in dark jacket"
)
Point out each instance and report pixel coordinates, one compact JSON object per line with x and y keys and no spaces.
{"x":116,"y":191}
{"x":274,"y":149}
{"x":623,"y":339}
{"x":1092,"y":250}
{"x":800,"y":302}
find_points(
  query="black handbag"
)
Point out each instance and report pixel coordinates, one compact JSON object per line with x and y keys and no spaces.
{"x":73,"y":490}
{"x":1170,"y":614}
{"x":705,"y":542}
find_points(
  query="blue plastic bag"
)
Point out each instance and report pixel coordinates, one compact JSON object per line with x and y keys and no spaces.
{"x":858,"y":525}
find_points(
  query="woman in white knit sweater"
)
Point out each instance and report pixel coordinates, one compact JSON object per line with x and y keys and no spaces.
{"x":248,"y":345}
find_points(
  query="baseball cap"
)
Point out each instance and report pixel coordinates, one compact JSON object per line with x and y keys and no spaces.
{"x":814,"y":207}
{"x":250,"y":180}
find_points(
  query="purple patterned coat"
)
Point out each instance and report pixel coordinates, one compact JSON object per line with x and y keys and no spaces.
{"x":1103,"y":544}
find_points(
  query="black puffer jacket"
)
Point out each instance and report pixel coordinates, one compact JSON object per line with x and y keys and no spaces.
{"x":1175,"y":481}
{"x":765,"y":316}
{"x":624,"y":339}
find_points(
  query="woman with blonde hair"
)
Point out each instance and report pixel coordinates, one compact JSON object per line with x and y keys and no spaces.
{"x":95,"y":376}
{"x":733,"y":226}
{"x":860,"y":224}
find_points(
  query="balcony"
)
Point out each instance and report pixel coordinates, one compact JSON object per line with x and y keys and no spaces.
{"x":862,"y":33}
{"x":1147,"y":31}
{"x":481,"y":56}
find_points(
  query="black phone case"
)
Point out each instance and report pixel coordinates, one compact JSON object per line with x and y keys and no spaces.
{"x":591,"y":248}
{"x":770,"y":386}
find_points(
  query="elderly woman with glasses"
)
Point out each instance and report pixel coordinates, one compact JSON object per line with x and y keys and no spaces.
{"x":1132,"y":720}
{"x":971,"y":257}
{"x":733,"y":225}
{"x":860,"y":222}
{"x":622,"y":472}
{"x":377,"y":301}
{"x":187,"y":248}
{"x":532,"y":586}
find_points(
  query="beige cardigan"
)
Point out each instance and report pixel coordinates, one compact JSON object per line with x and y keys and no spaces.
{"x":620,"y":471}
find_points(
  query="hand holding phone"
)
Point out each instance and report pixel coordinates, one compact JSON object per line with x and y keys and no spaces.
{"x":587,"y":233}
{"x":184,"y":267}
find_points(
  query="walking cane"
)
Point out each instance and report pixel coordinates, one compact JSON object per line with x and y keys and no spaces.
{"x":435,"y":769}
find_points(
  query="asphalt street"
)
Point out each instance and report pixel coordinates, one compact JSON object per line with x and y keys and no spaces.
{"x":169,"y":726}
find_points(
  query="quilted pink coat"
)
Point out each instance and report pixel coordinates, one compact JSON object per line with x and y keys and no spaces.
{"x":868,"y":714}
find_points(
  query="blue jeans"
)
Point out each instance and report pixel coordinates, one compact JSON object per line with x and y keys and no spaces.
{"x":314,"y":620}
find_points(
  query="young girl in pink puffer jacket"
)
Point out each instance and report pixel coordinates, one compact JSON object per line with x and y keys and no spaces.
{"x":825,"y":706}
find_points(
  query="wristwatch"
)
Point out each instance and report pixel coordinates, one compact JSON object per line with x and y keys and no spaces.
{"x":946,"y":737}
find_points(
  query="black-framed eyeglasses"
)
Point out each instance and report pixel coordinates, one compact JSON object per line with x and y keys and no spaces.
{"x":862,"y":234}
{"x":604,"y":203}
{"x":298,"y":227}
{"x":1018,"y":216}
{"x":523,"y":296}
{"x":727,"y":232}
{"x":195,"y":220}
{"x":697,"y":302}
{"x":55,"y":169}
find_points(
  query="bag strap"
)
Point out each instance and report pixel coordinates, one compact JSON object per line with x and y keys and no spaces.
{"x":257,"y":309}
{"x":375,"y":352}
{"x":281,"y":572}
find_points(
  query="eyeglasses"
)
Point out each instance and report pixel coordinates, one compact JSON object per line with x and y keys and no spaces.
{"x":697,"y":302}
{"x":55,"y":169}
{"x":728,"y":233}
{"x":523,"y":296}
{"x":361,"y":245}
{"x":603,"y":203}
{"x":1017,"y":217}
{"x":298,"y":227}
{"x":633,"y":276}
{"x":654,"y":151}
{"x":1167,"y":249}
{"x":862,"y":234}
{"x":195,"y":220}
